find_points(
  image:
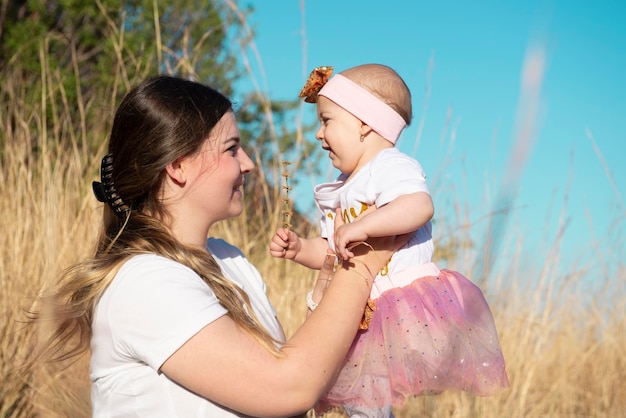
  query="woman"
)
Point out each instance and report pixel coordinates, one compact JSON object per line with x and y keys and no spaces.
{"x":179,"y":325}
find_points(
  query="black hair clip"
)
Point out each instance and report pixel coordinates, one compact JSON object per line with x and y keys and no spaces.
{"x":105,"y":191}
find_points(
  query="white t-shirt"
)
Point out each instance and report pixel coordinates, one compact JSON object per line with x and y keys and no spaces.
{"x":151,"y":308}
{"x":388,"y":175}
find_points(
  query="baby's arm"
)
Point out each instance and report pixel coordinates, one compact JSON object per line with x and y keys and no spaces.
{"x":310,"y":252}
{"x":404,"y":214}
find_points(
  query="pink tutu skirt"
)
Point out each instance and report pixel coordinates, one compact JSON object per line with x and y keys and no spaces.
{"x":434,"y":334}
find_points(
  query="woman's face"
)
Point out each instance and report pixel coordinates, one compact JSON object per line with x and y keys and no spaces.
{"x":217,"y":173}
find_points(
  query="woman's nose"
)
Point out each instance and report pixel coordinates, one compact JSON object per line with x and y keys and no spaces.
{"x":245,"y":161}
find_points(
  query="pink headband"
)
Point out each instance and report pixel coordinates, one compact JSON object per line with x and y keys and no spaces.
{"x":365,"y":106}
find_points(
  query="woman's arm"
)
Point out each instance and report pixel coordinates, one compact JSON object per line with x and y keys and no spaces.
{"x":226,"y":365}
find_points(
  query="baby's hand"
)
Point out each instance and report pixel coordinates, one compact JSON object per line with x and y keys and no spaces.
{"x":345,"y":235}
{"x":285,"y":244}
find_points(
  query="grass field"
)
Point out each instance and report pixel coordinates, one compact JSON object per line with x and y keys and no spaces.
{"x":564,"y":344}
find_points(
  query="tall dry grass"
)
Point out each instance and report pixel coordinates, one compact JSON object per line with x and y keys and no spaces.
{"x":565,"y":346}
{"x":47,"y":222}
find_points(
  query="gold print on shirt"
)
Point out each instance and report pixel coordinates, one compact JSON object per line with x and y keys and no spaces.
{"x":350,"y":214}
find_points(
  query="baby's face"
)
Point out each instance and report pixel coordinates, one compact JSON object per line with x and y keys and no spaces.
{"x":340,"y":134}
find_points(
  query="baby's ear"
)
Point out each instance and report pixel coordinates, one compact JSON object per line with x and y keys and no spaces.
{"x":365,"y":129}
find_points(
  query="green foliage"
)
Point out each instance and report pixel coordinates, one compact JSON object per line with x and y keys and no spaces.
{"x":82,"y":56}
{"x":92,"y":44}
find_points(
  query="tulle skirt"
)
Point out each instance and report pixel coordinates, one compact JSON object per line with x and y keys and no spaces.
{"x":434,"y":334}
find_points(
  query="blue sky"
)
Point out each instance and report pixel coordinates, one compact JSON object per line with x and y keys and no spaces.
{"x":466,"y":59}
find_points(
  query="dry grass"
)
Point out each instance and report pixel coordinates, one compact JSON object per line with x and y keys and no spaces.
{"x":564,"y":345}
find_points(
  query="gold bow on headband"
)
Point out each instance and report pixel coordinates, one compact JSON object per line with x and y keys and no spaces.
{"x":318,"y":77}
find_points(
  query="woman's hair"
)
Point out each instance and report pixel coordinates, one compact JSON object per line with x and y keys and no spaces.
{"x":160,"y":120}
{"x":384,"y":83}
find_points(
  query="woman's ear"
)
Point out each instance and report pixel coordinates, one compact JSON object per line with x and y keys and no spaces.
{"x":176,"y":172}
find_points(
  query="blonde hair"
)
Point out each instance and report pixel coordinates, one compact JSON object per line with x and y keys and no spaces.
{"x":159,"y":121}
{"x":384,"y":83}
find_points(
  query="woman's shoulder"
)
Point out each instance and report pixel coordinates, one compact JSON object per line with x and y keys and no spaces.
{"x":150,"y":262}
{"x":159,"y":270}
